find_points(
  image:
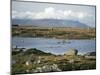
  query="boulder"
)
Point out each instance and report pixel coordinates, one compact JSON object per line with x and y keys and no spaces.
{"x":90,"y":54}
{"x":72,"y":52}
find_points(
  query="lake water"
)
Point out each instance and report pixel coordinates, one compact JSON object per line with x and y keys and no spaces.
{"x":55,"y":46}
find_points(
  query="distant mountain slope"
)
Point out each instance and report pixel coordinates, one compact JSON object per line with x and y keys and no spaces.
{"x":50,"y":23}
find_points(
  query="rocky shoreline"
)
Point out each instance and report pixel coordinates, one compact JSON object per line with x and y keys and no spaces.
{"x":37,"y":61}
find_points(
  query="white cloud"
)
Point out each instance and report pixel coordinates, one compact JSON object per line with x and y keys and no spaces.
{"x":48,"y":13}
{"x":49,"y":9}
{"x":21,"y":15}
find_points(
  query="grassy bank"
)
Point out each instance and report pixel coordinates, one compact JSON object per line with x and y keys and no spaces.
{"x":57,"y":32}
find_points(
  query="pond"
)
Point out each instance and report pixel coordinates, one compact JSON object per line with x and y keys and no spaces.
{"x":55,"y":46}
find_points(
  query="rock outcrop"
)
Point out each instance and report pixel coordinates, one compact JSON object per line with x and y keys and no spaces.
{"x":90,"y":54}
{"x":72,"y":52}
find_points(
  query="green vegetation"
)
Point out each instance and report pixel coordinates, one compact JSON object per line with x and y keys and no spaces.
{"x":35,"y":51}
{"x":35,"y":61}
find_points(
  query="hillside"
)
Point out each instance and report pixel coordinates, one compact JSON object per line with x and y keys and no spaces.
{"x":50,"y":23}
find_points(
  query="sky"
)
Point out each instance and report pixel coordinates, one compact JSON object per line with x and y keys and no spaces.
{"x":35,"y":10}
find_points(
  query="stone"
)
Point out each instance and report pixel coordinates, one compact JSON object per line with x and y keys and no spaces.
{"x":72,"y":52}
{"x":71,"y":61}
{"x":48,"y":68}
{"x":27,"y":71}
{"x":28,"y":63}
{"x":90,"y":54}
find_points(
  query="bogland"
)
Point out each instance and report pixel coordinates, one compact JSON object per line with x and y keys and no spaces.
{"x":36,"y":61}
{"x":54,"y":32}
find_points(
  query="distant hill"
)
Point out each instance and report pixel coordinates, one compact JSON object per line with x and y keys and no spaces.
{"x":49,"y":22}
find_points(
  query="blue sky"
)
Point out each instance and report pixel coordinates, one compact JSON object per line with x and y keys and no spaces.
{"x":33,"y":10}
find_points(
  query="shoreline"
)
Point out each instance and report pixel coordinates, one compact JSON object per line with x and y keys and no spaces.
{"x":53,"y":38}
{"x":34,"y":60}
{"x":59,"y":33}
{"x":26,"y":49}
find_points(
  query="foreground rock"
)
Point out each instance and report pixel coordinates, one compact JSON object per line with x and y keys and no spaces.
{"x":47,"y":68}
{"x":90,"y":55}
{"x":36,"y":61}
{"x":72,"y":52}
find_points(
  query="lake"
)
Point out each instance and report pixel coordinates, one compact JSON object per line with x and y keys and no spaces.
{"x":55,"y":46}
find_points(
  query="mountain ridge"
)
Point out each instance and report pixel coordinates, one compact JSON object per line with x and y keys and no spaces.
{"x":50,"y":23}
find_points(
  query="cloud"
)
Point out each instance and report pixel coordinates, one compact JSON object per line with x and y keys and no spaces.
{"x":50,"y":13}
{"x":22,"y":15}
{"x":49,"y":9}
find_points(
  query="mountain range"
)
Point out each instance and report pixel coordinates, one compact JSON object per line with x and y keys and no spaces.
{"x":49,"y":23}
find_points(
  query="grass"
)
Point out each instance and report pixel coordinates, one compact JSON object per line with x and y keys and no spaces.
{"x":61,"y":33}
{"x":47,"y":58}
{"x":62,"y":61}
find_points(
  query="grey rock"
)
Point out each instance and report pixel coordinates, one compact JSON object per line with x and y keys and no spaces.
{"x":90,"y":54}
{"x":47,"y":68}
{"x":72,"y":52}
